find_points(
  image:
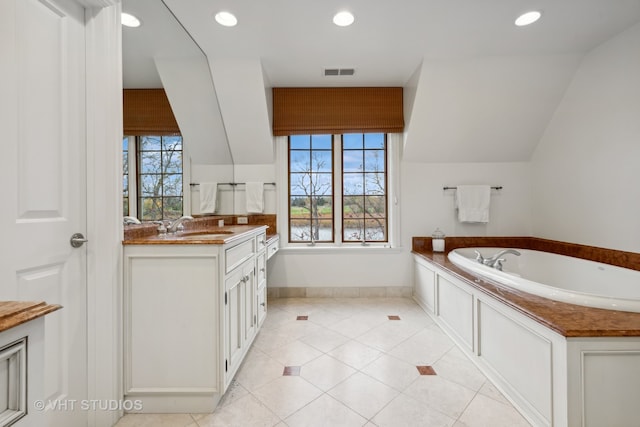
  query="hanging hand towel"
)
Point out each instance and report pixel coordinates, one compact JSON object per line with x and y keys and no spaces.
{"x":473,"y":202}
{"x":255,"y":197}
{"x":208,"y":196}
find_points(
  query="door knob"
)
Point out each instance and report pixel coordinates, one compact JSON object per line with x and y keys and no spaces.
{"x":77,"y":240}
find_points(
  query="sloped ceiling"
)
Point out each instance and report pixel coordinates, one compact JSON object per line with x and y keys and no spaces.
{"x":491,"y":109}
{"x":478,"y":88}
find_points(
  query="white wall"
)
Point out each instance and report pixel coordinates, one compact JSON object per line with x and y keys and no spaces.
{"x":425,"y":205}
{"x":586,"y":168}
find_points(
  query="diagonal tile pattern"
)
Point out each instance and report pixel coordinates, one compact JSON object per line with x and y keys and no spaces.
{"x":353,"y":364}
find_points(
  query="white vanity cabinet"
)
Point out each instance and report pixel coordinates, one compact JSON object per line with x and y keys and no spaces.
{"x":190,"y":315}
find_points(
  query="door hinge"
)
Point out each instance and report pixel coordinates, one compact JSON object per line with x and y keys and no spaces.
{"x":255,"y":319}
{"x":225,"y":298}
{"x":226,"y":365}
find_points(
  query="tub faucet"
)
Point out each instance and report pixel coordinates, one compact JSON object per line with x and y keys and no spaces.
{"x":496,"y":261}
{"x":173,"y":227}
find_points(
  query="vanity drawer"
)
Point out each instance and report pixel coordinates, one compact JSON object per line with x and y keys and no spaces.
{"x":261,"y":241}
{"x":238,"y":254}
{"x":272,"y":248}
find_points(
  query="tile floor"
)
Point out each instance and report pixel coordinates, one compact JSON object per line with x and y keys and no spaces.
{"x":352,"y":362}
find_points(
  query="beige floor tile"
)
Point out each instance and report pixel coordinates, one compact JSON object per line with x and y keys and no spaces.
{"x":325,"y":411}
{"x":234,"y":392}
{"x":461,"y":371}
{"x":325,"y":372}
{"x":486,"y":412}
{"x":246,"y":412}
{"x":286,"y":395}
{"x":489,"y":390}
{"x":325,"y":340}
{"x":258,"y":369}
{"x":156,"y":420}
{"x":424,"y":348}
{"x":441,"y":394}
{"x":405,"y":411}
{"x":355,"y":354}
{"x":359,"y":324}
{"x":296,"y":353}
{"x":363,"y":394}
{"x":392,"y":372}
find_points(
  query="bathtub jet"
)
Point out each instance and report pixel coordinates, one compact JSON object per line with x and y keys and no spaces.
{"x":557,"y":277}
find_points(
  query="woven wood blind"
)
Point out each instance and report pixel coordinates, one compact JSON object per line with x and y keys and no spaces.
{"x":148,"y":112}
{"x":337,"y":110}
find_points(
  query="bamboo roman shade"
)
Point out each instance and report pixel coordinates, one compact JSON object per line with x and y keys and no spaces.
{"x":337,"y":110}
{"x":148,"y":112}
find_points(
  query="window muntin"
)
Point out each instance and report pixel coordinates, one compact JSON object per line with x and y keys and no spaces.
{"x":159,"y":161}
{"x":364,"y":188}
{"x":361,"y":162}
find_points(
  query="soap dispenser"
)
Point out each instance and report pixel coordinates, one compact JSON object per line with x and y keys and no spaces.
{"x":437,"y":239}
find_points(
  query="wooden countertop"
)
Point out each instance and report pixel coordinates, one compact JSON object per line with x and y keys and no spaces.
{"x":14,"y":313}
{"x":566,"y":319}
{"x":206,"y":236}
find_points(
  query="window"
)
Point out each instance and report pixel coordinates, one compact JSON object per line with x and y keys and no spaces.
{"x":158,"y":177}
{"x":364,"y":178}
{"x":310,"y":188}
{"x":125,"y":176}
{"x":356,"y":165}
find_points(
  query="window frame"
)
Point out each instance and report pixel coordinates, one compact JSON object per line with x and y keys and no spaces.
{"x":134,"y":181}
{"x":392,"y":146}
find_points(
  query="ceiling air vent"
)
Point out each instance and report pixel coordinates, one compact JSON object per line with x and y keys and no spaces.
{"x":339,"y":72}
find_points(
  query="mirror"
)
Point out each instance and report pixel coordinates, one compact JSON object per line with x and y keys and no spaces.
{"x":161,"y":54}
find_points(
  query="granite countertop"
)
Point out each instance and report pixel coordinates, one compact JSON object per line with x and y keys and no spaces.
{"x":14,"y":313}
{"x":568,"y":320}
{"x":207,"y":236}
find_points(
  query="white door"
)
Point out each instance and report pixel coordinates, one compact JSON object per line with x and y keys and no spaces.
{"x":42,"y":171}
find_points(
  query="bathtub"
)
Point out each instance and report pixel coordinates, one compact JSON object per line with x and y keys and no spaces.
{"x":558,"y":277}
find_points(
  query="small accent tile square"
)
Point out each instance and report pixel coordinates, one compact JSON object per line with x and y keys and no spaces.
{"x":426,"y":370}
{"x":394,"y":317}
{"x":291,"y":371}
{"x":302,"y":318}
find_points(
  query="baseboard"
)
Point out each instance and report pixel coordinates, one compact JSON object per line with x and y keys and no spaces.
{"x":341,"y":292}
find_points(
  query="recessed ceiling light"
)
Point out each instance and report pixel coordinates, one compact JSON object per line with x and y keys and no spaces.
{"x":528,"y":18}
{"x":343,"y":19}
{"x":129,"y":20}
{"x":226,"y":18}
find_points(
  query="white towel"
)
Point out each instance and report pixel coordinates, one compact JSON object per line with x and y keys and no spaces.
{"x":254,"y":192}
{"x":208,"y":196}
{"x":473,"y":202}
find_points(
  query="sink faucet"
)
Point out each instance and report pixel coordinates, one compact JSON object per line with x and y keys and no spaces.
{"x":495,"y":261}
{"x":173,"y":227}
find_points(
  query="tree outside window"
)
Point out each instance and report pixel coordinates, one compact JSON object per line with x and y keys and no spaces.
{"x":364,"y":195}
{"x":363,"y":205}
{"x":311,"y":188}
{"x":159,"y":177}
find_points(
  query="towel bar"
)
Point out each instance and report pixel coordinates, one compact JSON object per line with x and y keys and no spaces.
{"x":496,"y":187}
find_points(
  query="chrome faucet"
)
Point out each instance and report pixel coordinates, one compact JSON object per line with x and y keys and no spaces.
{"x":127,"y":220}
{"x":495,"y":261}
{"x":173,"y":227}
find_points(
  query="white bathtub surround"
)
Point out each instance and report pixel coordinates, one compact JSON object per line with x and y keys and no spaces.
{"x":559,"y":277}
{"x":552,"y":379}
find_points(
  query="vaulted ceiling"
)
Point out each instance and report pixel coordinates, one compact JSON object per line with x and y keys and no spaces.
{"x":477,"y":88}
